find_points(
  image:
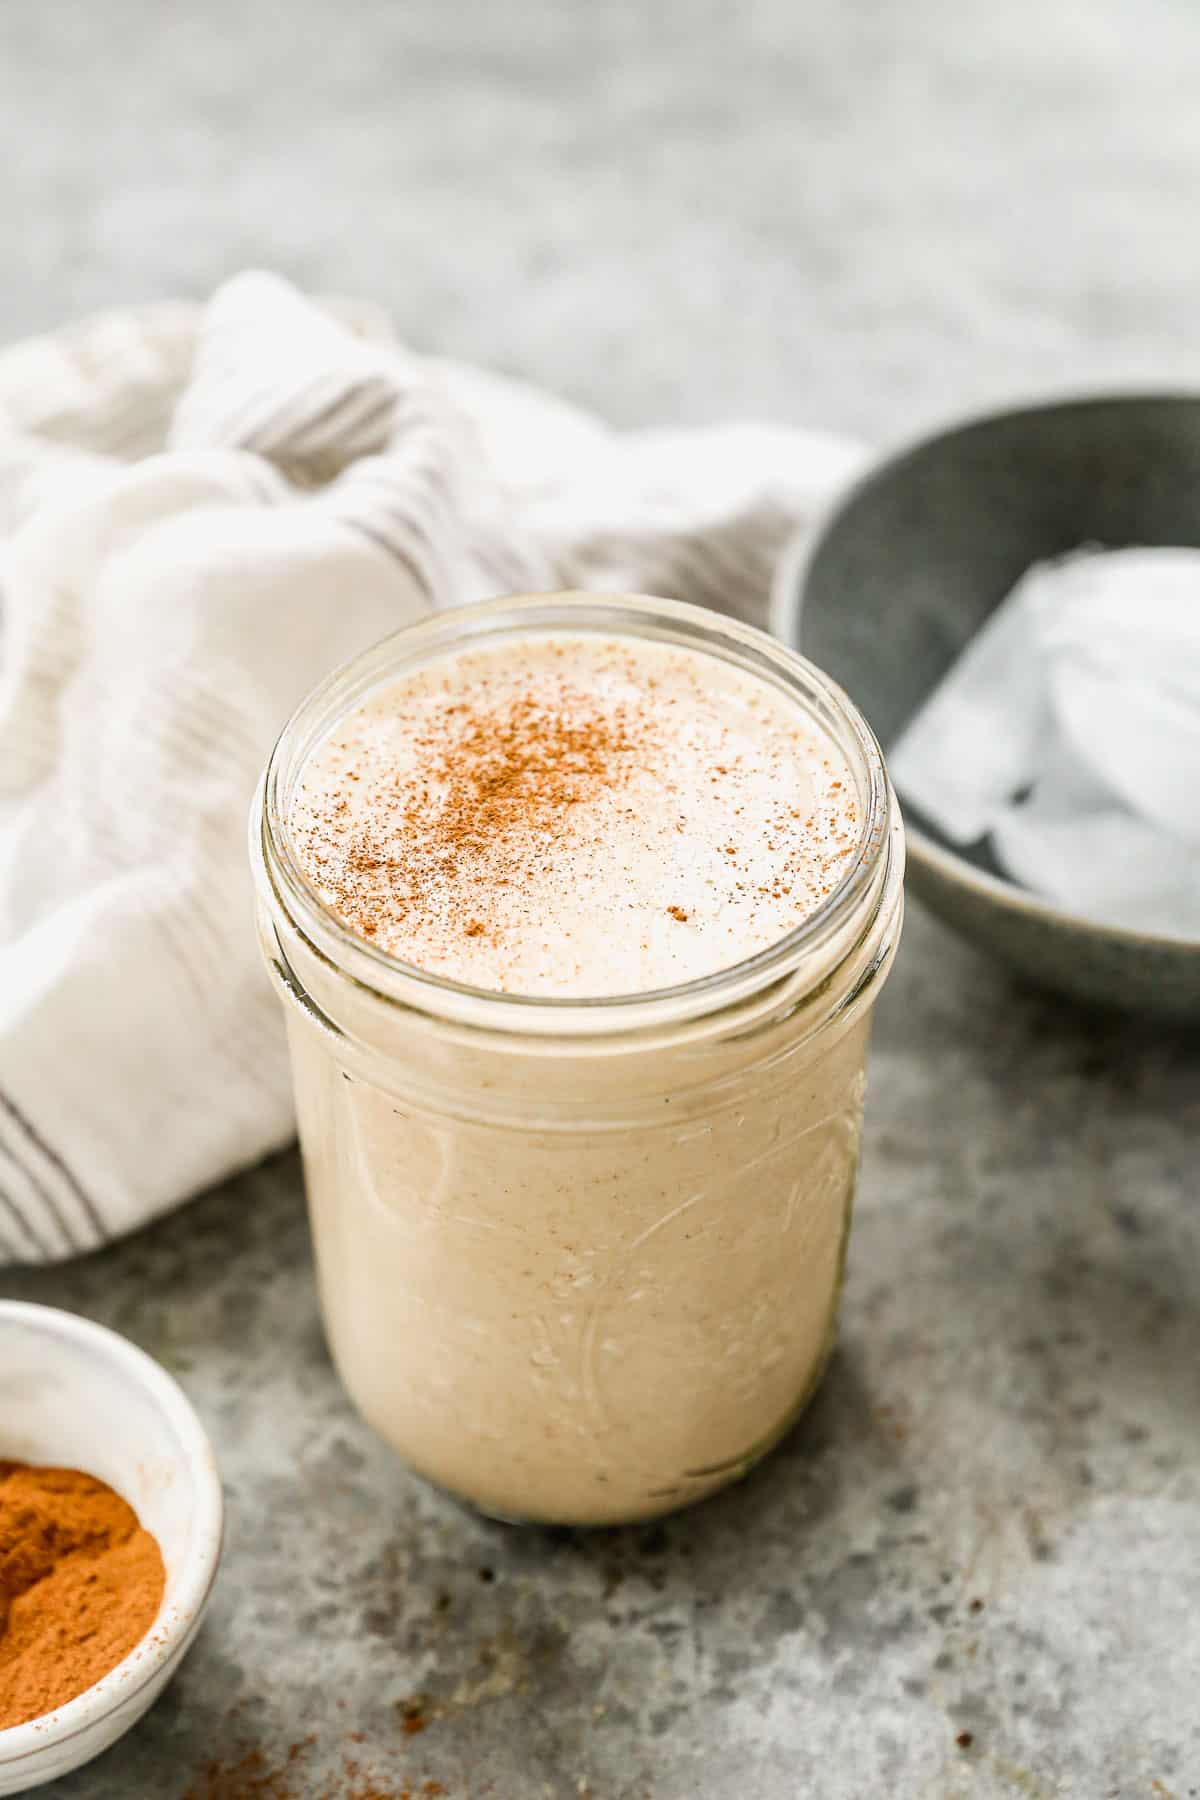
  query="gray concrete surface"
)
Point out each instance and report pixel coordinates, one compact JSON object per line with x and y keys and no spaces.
{"x":860,"y":216}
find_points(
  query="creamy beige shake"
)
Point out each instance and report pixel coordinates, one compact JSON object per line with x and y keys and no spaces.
{"x":574,"y":817}
{"x":580,"y":1168}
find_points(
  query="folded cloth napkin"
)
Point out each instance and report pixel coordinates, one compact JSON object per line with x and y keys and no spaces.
{"x":200,"y":515}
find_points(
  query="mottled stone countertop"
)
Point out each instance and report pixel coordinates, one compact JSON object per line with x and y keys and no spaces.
{"x":861,"y":217}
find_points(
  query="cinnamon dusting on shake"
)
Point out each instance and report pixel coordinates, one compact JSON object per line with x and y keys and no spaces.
{"x":539,"y":816}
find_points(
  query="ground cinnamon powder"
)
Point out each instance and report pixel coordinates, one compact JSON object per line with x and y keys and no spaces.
{"x":80,"y":1585}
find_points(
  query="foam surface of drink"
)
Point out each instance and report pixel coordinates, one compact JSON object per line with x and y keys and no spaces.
{"x":574,"y":816}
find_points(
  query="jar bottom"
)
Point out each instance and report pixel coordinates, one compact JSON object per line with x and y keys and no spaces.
{"x":713,"y":1481}
{"x":692,"y":1487}
{"x":744,"y":1466}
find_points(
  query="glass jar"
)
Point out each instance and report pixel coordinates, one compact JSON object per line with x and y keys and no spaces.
{"x":580,"y":1261}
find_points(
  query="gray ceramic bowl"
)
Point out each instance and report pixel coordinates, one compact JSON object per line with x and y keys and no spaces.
{"x":906,"y":569}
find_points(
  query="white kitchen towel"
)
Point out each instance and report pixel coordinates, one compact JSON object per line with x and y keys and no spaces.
{"x":201,"y":513}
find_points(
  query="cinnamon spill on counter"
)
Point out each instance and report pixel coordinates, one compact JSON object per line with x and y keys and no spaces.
{"x":251,"y":1777}
{"x":412,"y":1718}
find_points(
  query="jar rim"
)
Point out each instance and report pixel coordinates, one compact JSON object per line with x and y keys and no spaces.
{"x":622,"y":615}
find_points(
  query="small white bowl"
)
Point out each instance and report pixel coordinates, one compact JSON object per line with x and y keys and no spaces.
{"x":78,"y":1396}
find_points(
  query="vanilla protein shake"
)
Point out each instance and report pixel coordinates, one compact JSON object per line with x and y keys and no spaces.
{"x":580,"y":905}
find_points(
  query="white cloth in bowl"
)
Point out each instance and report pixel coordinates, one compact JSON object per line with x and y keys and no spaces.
{"x":200,"y":516}
{"x":1068,"y":732}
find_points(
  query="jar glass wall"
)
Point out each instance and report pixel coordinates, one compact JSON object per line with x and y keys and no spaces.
{"x":580,"y":1260}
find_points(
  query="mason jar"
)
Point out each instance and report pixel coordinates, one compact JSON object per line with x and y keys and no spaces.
{"x":580,"y":1260}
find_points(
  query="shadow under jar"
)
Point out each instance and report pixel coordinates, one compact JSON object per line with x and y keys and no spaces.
{"x":580,"y":1259}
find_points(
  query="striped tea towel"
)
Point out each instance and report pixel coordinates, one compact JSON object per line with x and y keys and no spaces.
{"x":200,"y":515}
